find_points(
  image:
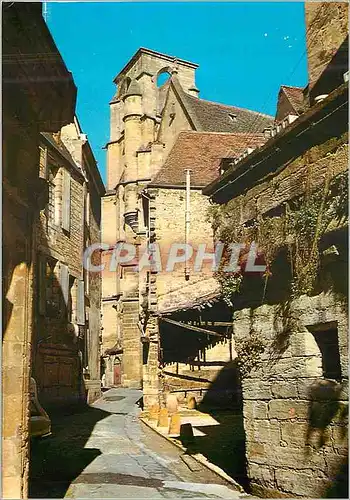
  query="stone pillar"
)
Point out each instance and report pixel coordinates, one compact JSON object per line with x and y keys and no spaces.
{"x":17,"y":331}
{"x":132,"y":372}
{"x":151,"y":383}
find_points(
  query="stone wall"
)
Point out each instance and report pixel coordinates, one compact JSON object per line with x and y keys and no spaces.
{"x":327,"y":29}
{"x":172,"y":290}
{"x":170,"y":228}
{"x":173,"y":122}
{"x":93,"y":291}
{"x":294,"y":411}
{"x":294,"y":419}
{"x":65,"y":344}
{"x":56,"y":365}
{"x":329,"y":158}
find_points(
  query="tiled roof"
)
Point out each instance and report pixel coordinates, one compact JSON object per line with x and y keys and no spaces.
{"x":190,"y":296}
{"x":208,"y":116}
{"x":295,"y":97}
{"x":202,"y":152}
{"x":215,"y":117}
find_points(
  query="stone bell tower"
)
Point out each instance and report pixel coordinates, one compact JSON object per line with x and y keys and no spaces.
{"x":133,"y":156}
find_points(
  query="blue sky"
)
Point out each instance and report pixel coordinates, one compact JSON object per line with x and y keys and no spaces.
{"x":245,"y":50}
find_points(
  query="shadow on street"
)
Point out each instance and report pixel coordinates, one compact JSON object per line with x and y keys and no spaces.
{"x":224,"y":444}
{"x":58,"y":459}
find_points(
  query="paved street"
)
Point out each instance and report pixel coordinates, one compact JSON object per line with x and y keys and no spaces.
{"x":106,"y":452}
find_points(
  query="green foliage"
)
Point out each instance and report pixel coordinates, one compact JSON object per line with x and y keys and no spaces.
{"x":301,"y":228}
{"x":230,"y":285}
{"x":249,"y":351}
{"x":305,"y":226}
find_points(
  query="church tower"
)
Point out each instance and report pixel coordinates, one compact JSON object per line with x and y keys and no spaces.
{"x":134,"y":155}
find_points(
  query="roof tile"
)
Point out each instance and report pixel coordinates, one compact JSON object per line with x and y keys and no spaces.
{"x":202,"y":153}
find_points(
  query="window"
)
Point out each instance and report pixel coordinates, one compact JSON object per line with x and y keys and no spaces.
{"x":326,"y":336}
{"x":49,"y":302}
{"x":66,"y":196}
{"x":124,"y":86}
{"x":43,"y":162}
{"x":72,"y":299}
{"x":87,"y":209}
{"x":51,"y":203}
{"x":64,"y":283}
{"x":51,"y":210}
{"x":145,"y":211}
{"x":80,"y":303}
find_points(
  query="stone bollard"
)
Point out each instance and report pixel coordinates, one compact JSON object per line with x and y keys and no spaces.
{"x":191,"y":403}
{"x":175,"y":425}
{"x":163,"y":418}
{"x":171,"y":403}
{"x":186,"y":434}
{"x":154,"y":412}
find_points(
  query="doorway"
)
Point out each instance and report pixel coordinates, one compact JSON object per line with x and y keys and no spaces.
{"x":117,"y":372}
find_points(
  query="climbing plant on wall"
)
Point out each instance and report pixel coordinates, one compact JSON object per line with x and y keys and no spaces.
{"x":300,"y":227}
{"x":249,"y":351}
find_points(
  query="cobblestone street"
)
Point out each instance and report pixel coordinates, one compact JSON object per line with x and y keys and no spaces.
{"x":106,"y":452}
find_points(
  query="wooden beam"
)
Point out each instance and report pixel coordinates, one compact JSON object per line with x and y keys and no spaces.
{"x":191,"y":327}
{"x":216,"y":323}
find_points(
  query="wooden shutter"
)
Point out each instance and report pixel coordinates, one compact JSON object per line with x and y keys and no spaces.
{"x":43,"y":155}
{"x":64,"y":282}
{"x":42,"y":284}
{"x":81,"y":303}
{"x":66,"y":201}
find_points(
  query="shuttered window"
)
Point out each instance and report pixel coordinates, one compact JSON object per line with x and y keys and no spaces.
{"x":66,"y":195}
{"x":80,"y":303}
{"x":44,"y":170}
{"x":64,"y":282}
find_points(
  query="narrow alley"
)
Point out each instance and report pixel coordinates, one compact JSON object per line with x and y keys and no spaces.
{"x":175,"y":250}
{"x":106,"y":452}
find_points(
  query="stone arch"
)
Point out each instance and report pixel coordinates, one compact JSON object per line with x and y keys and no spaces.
{"x":162,"y":76}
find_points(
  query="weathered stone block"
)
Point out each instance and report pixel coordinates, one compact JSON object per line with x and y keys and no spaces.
{"x":334,"y":463}
{"x":263,"y":431}
{"x":256,"y":452}
{"x":295,"y":367}
{"x":256,"y":389}
{"x":255,"y":409}
{"x":304,"y":344}
{"x":300,"y":483}
{"x":264,"y":475}
{"x":340,"y":436}
{"x":304,"y":386}
{"x":283,"y":409}
{"x":294,"y":457}
{"x":294,"y":433}
{"x":284,"y":389}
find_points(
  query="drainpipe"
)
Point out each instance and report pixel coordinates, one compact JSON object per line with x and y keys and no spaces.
{"x":187,"y":218}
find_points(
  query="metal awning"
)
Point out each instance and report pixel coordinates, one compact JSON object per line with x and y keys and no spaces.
{"x":192,"y":327}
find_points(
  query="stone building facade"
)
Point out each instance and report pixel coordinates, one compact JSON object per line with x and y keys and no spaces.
{"x":169,"y":289}
{"x":66,"y":341}
{"x":36,"y":97}
{"x":146,"y":119}
{"x":293,"y":320}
